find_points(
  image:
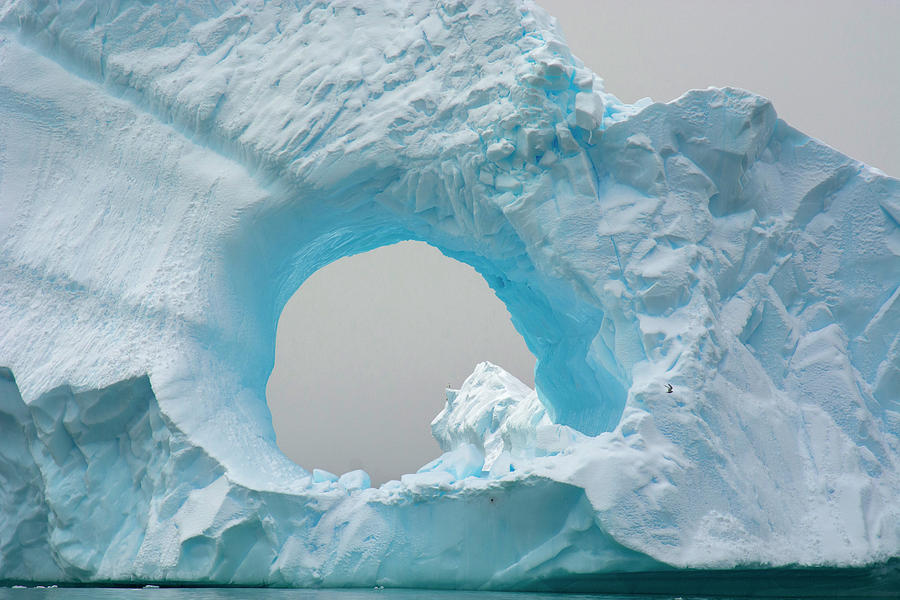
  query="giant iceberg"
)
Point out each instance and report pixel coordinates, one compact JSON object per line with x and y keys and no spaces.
{"x":170,"y":173}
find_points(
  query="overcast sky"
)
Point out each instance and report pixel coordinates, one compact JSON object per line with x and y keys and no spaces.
{"x":367,"y":345}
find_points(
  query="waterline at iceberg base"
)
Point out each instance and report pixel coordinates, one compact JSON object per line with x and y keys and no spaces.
{"x":170,"y":175}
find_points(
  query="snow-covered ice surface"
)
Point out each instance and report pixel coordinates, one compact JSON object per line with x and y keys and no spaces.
{"x":171,"y":173}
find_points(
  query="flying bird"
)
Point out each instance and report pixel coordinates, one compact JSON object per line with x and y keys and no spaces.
{"x":669,"y":388}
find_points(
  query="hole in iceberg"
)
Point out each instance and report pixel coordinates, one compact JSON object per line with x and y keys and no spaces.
{"x":365,"y":349}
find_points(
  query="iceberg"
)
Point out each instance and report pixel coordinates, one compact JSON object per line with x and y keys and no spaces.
{"x":170,"y":175}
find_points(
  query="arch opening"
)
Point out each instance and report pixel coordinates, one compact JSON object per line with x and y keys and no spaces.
{"x":555,"y":312}
{"x":365,"y":348}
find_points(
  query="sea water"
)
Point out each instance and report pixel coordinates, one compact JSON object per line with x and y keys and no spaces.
{"x":290,"y":594}
{"x":149,"y":593}
{"x":877,"y":582}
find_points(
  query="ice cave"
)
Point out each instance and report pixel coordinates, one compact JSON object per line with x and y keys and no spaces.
{"x":170,"y":174}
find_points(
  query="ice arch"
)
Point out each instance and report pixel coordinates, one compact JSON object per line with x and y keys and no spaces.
{"x":263,"y":190}
{"x":211,"y":158}
{"x":365,"y":349}
{"x":299,"y":251}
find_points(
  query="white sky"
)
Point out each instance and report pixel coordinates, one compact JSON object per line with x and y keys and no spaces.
{"x":367,"y":345}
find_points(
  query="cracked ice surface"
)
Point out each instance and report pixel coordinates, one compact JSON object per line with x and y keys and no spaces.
{"x":170,"y":175}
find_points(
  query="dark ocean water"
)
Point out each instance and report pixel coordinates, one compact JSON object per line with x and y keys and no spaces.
{"x":198,"y":593}
{"x":281,"y":594}
{"x":880,"y":581}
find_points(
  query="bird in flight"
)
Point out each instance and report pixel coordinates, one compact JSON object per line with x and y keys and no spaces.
{"x":669,"y":388}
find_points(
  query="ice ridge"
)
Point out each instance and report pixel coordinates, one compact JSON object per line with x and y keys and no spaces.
{"x":170,"y":175}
